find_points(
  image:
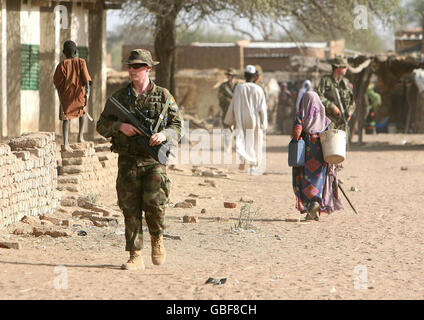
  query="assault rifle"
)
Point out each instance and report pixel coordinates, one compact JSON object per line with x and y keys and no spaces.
{"x":160,"y":152}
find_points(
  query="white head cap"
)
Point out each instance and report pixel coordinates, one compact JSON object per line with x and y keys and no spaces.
{"x":250,"y":69}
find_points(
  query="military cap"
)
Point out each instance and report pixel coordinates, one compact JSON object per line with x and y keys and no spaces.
{"x":231,"y":72}
{"x":141,"y":56}
{"x":339,"y":62}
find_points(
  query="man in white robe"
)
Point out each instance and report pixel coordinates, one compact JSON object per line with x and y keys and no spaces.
{"x":248,"y":113}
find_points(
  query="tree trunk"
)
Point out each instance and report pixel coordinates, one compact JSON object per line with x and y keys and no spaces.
{"x":165,"y":50}
{"x":363,"y":99}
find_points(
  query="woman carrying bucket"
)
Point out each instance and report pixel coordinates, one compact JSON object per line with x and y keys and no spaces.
{"x":315,"y":183}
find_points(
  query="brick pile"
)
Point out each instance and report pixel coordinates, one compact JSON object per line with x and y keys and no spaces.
{"x":28,"y":177}
{"x":87,"y":168}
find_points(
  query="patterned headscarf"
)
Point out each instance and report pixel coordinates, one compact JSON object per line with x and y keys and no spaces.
{"x":312,"y":113}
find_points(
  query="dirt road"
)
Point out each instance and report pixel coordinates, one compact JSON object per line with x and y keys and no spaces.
{"x":376,"y":254}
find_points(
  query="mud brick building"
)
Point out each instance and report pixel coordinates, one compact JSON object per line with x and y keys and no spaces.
{"x":31,"y":37}
{"x":272,"y":56}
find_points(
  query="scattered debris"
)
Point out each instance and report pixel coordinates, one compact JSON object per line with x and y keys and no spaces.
{"x":246,"y":200}
{"x":192,"y":201}
{"x":193,"y":195}
{"x":216,"y":281}
{"x":103,"y":221}
{"x":230,"y":205}
{"x":172,"y":237}
{"x":354,"y":189}
{"x":22,"y":231}
{"x":221,"y":219}
{"x":46,"y":223}
{"x":106,"y":212}
{"x":53,"y":220}
{"x":10,"y":245}
{"x":83,"y":214}
{"x":208,"y":173}
{"x":30,"y":220}
{"x":81,"y":233}
{"x":190,"y":219}
{"x":66,"y":223}
{"x":183,"y":204}
{"x":50,"y":232}
{"x":210,"y":182}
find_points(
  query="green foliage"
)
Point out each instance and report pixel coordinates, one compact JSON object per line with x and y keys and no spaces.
{"x":413,"y":12}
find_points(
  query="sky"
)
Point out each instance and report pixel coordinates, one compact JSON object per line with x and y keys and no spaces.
{"x":114,"y":20}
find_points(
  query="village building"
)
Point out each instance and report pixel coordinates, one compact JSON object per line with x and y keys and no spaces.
{"x":272,"y":56}
{"x":409,"y":40}
{"x":32,"y":35}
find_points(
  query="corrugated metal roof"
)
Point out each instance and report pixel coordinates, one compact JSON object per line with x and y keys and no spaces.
{"x":213,"y":44}
{"x":285,"y":45}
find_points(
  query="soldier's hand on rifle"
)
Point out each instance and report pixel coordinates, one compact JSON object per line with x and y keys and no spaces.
{"x":336,"y":112}
{"x":157,"y":139}
{"x":129,"y":130}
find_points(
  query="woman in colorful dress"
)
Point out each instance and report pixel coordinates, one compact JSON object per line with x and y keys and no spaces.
{"x":315,"y":184}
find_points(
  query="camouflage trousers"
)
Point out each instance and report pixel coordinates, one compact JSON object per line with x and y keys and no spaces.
{"x":141,"y":188}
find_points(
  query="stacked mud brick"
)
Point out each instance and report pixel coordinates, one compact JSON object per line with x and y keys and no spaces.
{"x":87,"y":168}
{"x":28,"y":177}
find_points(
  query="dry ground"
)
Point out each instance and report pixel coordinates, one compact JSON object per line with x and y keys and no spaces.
{"x":381,"y":246}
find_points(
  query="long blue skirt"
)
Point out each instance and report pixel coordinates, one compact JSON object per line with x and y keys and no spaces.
{"x":309,"y":181}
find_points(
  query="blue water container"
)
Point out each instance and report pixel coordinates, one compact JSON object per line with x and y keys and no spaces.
{"x":297,"y":153}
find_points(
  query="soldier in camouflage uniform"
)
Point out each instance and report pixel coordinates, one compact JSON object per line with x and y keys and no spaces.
{"x":142,"y":183}
{"x":259,"y":81}
{"x":225,"y":92}
{"x":326,"y":91}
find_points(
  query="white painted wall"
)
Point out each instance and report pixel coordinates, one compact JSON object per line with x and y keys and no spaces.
{"x":3,"y":103}
{"x":79,"y":25}
{"x":30,"y":99}
{"x":57,"y":51}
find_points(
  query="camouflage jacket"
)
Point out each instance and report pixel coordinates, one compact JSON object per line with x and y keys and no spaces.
{"x":150,"y":103}
{"x":225,"y":93}
{"x":328,"y":98}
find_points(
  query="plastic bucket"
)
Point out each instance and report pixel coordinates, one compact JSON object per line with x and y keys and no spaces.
{"x":333,"y":144}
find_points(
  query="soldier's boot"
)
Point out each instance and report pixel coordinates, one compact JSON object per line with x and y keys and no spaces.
{"x":135,"y":261}
{"x":158,"y":250}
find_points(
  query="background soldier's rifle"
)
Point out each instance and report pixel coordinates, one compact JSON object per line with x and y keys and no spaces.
{"x":160,"y":152}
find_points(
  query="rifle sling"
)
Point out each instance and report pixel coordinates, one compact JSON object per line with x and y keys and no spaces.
{"x":162,"y":114}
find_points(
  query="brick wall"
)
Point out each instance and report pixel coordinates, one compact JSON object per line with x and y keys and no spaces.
{"x":34,"y":178}
{"x":336,"y":47}
{"x":401,"y":45}
{"x":198,"y":57}
{"x":28,"y":177}
{"x":87,"y":168}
